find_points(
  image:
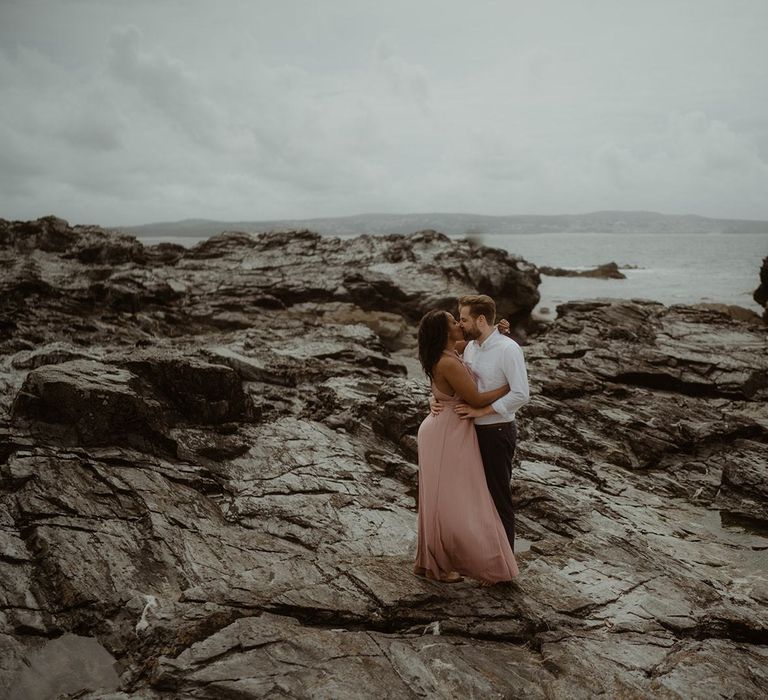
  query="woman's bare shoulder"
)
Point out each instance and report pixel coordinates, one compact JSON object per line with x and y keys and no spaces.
{"x":447,"y":362}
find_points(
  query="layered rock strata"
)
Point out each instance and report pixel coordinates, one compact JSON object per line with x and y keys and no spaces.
{"x":207,"y":465}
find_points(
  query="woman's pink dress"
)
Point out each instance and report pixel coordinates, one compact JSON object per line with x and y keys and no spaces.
{"x":459,"y":527}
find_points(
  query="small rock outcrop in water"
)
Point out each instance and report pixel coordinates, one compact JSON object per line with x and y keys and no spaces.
{"x":761,"y":293}
{"x":608,"y":271}
{"x":207,"y":465}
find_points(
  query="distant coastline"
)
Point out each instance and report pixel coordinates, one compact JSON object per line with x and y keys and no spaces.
{"x":639,"y":222}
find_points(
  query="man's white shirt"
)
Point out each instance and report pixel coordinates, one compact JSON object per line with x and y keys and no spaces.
{"x":498,"y":361}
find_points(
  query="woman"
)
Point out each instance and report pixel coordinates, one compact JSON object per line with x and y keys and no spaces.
{"x":459,"y":530}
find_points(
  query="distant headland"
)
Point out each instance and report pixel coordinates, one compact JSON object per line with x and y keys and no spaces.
{"x":463,"y":224}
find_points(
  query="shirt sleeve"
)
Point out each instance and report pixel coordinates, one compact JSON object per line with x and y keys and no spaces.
{"x":513,"y":366}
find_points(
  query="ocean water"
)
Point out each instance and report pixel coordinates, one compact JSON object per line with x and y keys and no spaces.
{"x":682,"y":268}
{"x":672,"y":268}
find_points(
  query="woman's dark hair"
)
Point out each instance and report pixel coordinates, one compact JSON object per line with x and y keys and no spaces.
{"x":433,"y":336}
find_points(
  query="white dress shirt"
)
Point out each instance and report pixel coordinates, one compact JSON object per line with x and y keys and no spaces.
{"x":498,"y":361}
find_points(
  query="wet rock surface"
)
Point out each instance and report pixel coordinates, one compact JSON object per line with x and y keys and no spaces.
{"x":207,"y":467}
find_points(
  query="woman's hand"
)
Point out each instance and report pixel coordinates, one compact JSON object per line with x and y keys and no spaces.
{"x":465,"y":411}
{"x":503,"y":326}
{"x":435,"y":407}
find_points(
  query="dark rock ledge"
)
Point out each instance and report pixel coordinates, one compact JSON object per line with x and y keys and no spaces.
{"x":207,"y":465}
{"x":608,"y":271}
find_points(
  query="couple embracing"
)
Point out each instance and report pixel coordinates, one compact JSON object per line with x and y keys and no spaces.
{"x":466,"y":521}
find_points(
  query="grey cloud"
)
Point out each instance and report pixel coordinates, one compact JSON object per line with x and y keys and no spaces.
{"x":405,"y":79}
{"x":94,"y":136}
{"x":163,"y":83}
{"x":129,"y":112}
{"x":714,"y":145}
{"x":90,"y":125}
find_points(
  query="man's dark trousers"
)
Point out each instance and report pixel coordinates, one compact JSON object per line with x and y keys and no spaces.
{"x":497,"y":447}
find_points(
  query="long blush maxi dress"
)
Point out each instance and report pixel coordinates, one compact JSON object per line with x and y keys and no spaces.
{"x":459,"y":527}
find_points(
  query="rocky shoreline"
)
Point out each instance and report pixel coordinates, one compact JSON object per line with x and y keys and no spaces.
{"x":207,"y":469}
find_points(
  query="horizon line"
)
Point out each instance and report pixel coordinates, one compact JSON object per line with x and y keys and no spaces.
{"x":431,"y":213}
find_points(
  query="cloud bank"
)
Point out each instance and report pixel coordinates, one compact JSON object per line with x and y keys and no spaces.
{"x":126,"y":113}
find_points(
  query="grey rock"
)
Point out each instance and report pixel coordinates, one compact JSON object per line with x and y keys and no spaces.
{"x":744,"y":487}
{"x":136,"y":400}
{"x":50,"y":354}
{"x":211,"y":470}
{"x":85,"y":402}
{"x":65,"y":665}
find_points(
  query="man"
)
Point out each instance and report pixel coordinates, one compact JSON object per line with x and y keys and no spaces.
{"x":494,"y":359}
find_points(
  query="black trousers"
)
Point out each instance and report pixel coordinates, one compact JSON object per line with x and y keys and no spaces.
{"x":497,"y":447}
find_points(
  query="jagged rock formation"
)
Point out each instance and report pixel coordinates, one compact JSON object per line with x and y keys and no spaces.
{"x":207,"y":464}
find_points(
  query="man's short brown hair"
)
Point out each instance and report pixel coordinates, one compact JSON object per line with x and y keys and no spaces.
{"x":480,"y":305}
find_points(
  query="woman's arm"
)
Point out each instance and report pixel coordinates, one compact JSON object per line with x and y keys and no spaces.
{"x":457,"y":376}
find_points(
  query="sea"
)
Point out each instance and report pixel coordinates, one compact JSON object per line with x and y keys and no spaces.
{"x":682,"y":268}
{"x":671,"y":268}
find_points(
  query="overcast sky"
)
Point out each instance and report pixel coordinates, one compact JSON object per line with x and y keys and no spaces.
{"x":125,"y":112}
